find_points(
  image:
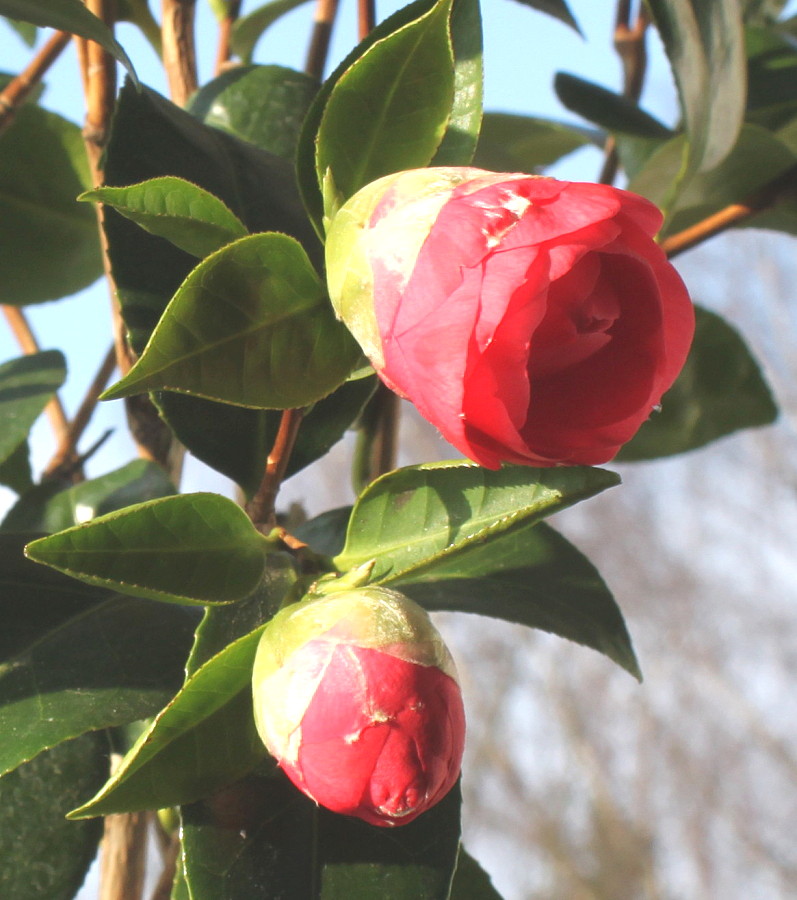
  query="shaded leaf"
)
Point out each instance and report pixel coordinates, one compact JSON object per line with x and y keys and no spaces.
{"x":15,"y":471}
{"x":471,"y":882}
{"x":248,"y":30}
{"x":192,"y":548}
{"x":66,"y":15}
{"x":556,"y":8}
{"x":771,"y":75}
{"x":49,"y":507}
{"x":720,"y":390}
{"x":43,"y":854}
{"x":114,"y":662}
{"x":26,"y":385}
{"x":25,"y":30}
{"x":186,"y":215}
{"x":264,"y":105}
{"x":252,"y":326}
{"x":418,"y":518}
{"x":326,"y":533}
{"x":48,"y":242}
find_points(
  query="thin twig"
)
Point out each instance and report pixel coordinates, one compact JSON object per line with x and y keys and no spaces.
{"x":317,"y":52}
{"x":224,"y":50}
{"x":366,"y":18}
{"x":178,"y":48}
{"x":260,"y":508}
{"x":23,"y":333}
{"x":19,"y":88}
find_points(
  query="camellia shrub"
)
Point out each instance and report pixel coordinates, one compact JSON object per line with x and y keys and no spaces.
{"x":288,"y":252}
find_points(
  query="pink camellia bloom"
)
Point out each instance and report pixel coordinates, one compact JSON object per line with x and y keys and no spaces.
{"x":356,"y":696}
{"x":531,"y":320}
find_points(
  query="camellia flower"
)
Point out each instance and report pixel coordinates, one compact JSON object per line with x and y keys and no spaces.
{"x":356,"y":696}
{"x":531,"y":320}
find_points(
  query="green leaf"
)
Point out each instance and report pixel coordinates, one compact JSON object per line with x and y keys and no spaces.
{"x":471,"y":882}
{"x":67,"y":15}
{"x":42,"y":854}
{"x":609,"y":110}
{"x":462,"y":133}
{"x":420,"y":517}
{"x":250,"y":326}
{"x":263,"y":831}
{"x":720,"y":390}
{"x":193,"y":548}
{"x":510,"y":143}
{"x":26,"y":385}
{"x":49,"y":507}
{"x":704,"y":41}
{"x":110,"y":664}
{"x":248,"y":30}
{"x":556,"y":8}
{"x":49,"y":246}
{"x":326,"y":533}
{"x":188,"y":216}
{"x":264,"y":105}
{"x":206,"y":427}
{"x":210,"y":723}
{"x":397,"y":98}
{"x":15,"y":471}
{"x":771,"y":74}
{"x":25,"y":30}
{"x":535,"y":577}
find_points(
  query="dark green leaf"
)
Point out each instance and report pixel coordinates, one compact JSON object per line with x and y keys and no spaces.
{"x":607,"y":109}
{"x":186,"y":215}
{"x":556,"y":8}
{"x":209,"y":722}
{"x":397,"y":98}
{"x":193,"y":548}
{"x":264,"y":105}
{"x":115,"y":662}
{"x":43,"y":855}
{"x":26,"y":384}
{"x":510,"y":143}
{"x":537,"y":578}
{"x":66,"y":15}
{"x":263,"y":832}
{"x":772,"y":78}
{"x":326,"y":533}
{"x":251,"y":326}
{"x":48,"y":242}
{"x":462,"y":134}
{"x":704,"y":41}
{"x":48,"y":507}
{"x":15,"y":471}
{"x":471,"y":882}
{"x":720,"y":390}
{"x":250,"y":28}
{"x":418,"y":518}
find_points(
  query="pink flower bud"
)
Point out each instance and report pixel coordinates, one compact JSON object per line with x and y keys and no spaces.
{"x":531,"y":320}
{"x":356,"y":696}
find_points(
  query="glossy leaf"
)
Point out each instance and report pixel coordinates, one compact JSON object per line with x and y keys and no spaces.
{"x":207,"y":427}
{"x":49,"y":507}
{"x":609,"y":110}
{"x":397,"y":98}
{"x":556,"y":8}
{"x":250,"y":326}
{"x":248,"y":30}
{"x":209,"y":722}
{"x":263,"y":831}
{"x":192,"y":548}
{"x":535,"y":577}
{"x":510,"y":143}
{"x":188,"y":216}
{"x":112,"y":663}
{"x":720,"y":390}
{"x":705,"y":44}
{"x":48,"y":242}
{"x":471,"y":882}
{"x":418,"y":518}
{"x":26,"y":385}
{"x":264,"y":105}
{"x":66,"y":15}
{"x":42,"y":854}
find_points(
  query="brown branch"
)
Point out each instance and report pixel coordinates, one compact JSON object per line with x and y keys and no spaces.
{"x":19,"y":88}
{"x":179,"y":50}
{"x":366,"y":18}
{"x":317,"y":52}
{"x":224,"y":49}
{"x":260,"y":508}
{"x":123,"y":856}
{"x":163,"y":889}
{"x":733,"y":214}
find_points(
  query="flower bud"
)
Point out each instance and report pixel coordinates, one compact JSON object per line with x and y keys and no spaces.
{"x":530,"y":320}
{"x":356,"y":696}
